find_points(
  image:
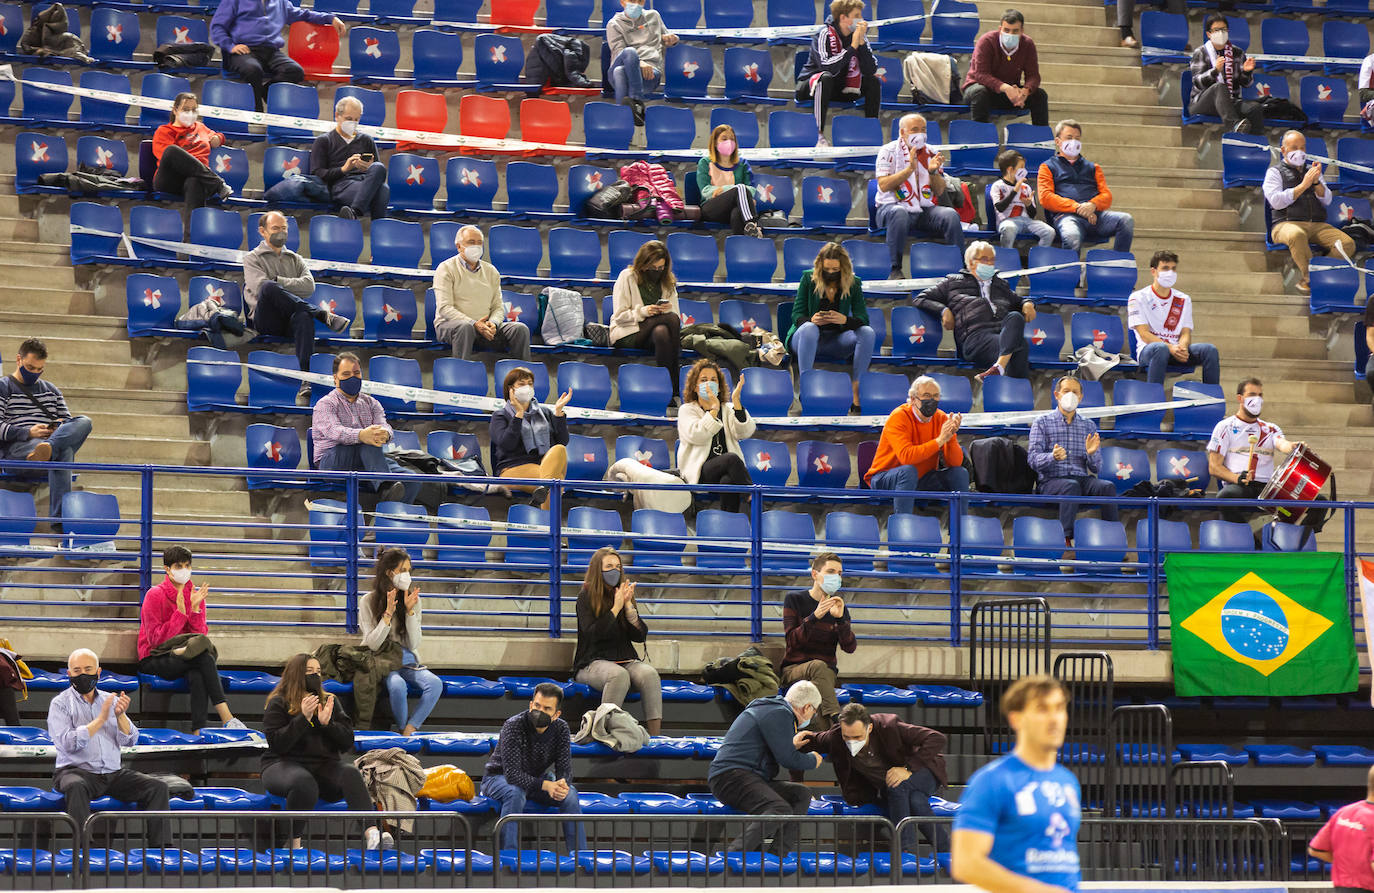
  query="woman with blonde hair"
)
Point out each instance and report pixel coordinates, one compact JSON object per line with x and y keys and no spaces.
{"x":829,"y":317}
{"x":644,"y":311}
{"x":726,"y":184}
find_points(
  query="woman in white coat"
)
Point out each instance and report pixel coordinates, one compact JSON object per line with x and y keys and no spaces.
{"x":709,"y":431}
{"x":644,"y":311}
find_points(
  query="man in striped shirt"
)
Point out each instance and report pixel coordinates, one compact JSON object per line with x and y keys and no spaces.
{"x":35,"y":424}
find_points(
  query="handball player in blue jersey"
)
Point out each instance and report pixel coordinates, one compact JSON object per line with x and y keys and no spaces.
{"x":1017,"y":826}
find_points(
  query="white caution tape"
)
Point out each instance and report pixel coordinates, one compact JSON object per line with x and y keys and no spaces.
{"x":19,"y":751}
{"x":1315,"y":60}
{"x":1229,"y":140}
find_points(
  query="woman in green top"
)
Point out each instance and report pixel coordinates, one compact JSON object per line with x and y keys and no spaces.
{"x":725,"y":181}
{"x":829,"y":316}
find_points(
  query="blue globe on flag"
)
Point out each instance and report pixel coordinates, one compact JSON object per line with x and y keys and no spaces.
{"x":1254,"y":625}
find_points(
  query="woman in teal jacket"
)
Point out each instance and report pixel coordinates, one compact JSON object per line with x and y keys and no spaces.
{"x":829,"y":317}
{"x":726,"y":184}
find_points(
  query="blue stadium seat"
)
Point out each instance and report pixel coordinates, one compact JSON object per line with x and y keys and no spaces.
{"x":515,"y":250}
{"x":767,"y":392}
{"x":688,"y":72}
{"x":472,"y":185}
{"x":1323,"y":99}
{"x":410,"y":532}
{"x":453,"y":446}
{"x":114,"y":36}
{"x":775,"y":195}
{"x":748,"y":259}
{"x":622,"y":245}
{"x":825,"y":393}
{"x":825,"y":204}
{"x":768,"y":461}
{"x":869,"y":259}
{"x":531,"y":189}
{"x":953,"y":33}
{"x":586,"y":458}
{"x":498,"y":60}
{"x":981,"y":537}
{"x":956,"y":394}
{"x":1335,"y":286}
{"x":40,"y":153}
{"x":294,"y":101}
{"x":744,"y":123}
{"x":281,"y":161}
{"x":18,"y":520}
{"x":1185,"y":466}
{"x":1347,"y":41}
{"x":793,"y":529}
{"x":882,"y":392}
{"x":12,"y":17}
{"x":846,"y":131}
{"x":89,"y":247}
{"x":1279,"y":537}
{"x":1124,"y":468}
{"x":903,"y":35}
{"x":1277,"y":754}
{"x":574,"y":254}
{"x":157,"y":85}
{"x":181,"y":30}
{"x":607,"y":125}
{"x":1355,"y":151}
{"x":414,"y":182}
{"x":336,"y":299}
{"x":106,"y":115}
{"x":650,"y":451}
{"x":1244,"y":159}
{"x":732,"y":530}
{"x":921,"y":533}
{"x":1138,"y":424}
{"x":644,"y":389}
{"x":231,"y":164}
{"x":798,"y":256}
{"x":462,"y":543}
{"x":1104,"y":331}
{"x":1345,"y":207}
{"x":793,"y":130}
{"x":1003,"y":394}
{"x":847,"y":529}
{"x":748,"y":72}
{"x":1225,"y":536}
{"x":653,"y":554}
{"x":92,"y":520}
{"x":1109,"y":286}
{"x":152,"y":222}
{"x":153,"y":304}
{"x":822,"y":465}
{"x":569,"y":15}
{"x":328,"y":518}
{"x":1046,"y":339}
{"x":1164,"y":37}
{"x":389,"y":314}
{"x":934,"y":260}
{"x":1037,"y":538}
{"x":1174,"y":536}
{"x":397,"y":243}
{"x":529,"y":549}
{"x":973,"y":162}
{"x":745,"y":316}
{"x":1285,"y":37}
{"x":694,"y":255}
{"x":1197,"y":421}
{"x":46,"y":105}
{"x":590,"y":383}
{"x":334,"y":238}
{"x":211,"y":387}
{"x":399,"y":371}
{"x":217,"y":228}
{"x":373,"y":54}
{"x":267,"y":392}
{"x":1023,"y":138}
{"x":915,"y":333}
{"x":437,"y":56}
{"x":1055,"y":286}
{"x":1099,"y":541}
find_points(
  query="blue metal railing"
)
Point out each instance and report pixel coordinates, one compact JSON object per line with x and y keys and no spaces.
{"x":898,"y":590}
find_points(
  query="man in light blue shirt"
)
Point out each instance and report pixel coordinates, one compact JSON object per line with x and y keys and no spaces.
{"x":1065,"y":451}
{"x":88,"y":727}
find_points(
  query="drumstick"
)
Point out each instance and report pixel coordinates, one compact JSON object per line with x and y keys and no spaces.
{"x":1254,"y":459}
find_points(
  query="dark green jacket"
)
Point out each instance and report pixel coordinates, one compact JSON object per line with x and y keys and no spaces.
{"x":808,"y":303}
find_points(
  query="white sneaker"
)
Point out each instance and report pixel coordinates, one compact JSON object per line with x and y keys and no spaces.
{"x":372,"y":839}
{"x":338,"y":323}
{"x":235,"y":723}
{"x":388,"y":842}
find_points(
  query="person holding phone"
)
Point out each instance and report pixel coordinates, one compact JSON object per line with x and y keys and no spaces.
{"x":391,"y":612}
{"x":608,"y":626}
{"x":308,"y":738}
{"x":709,"y":429}
{"x":830,"y":318}
{"x":346,"y":161}
{"x":644,"y":312}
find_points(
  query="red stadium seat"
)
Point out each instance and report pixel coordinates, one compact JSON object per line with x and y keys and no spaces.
{"x":517,"y":13}
{"x":315,"y":47}
{"x":418,"y":110}
{"x":546,"y":121}
{"x":484,"y":116}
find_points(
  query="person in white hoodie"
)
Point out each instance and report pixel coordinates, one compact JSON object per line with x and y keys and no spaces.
{"x":392,"y":611}
{"x":644,"y":310}
{"x":709,"y":430}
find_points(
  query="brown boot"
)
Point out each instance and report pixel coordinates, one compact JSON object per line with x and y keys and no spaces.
{"x":41,"y":453}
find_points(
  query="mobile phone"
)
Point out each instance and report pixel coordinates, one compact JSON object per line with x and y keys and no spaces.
{"x":367,"y":157}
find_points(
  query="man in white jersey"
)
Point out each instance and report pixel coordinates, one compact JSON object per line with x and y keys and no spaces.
{"x":1244,"y":468}
{"x":1162,"y":318}
{"x":910,"y":183}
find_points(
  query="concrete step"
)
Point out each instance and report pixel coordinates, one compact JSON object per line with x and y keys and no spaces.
{"x":22,"y":273}
{"x":1044,"y":19}
{"x":53,"y":300}
{"x":119,"y":448}
{"x":63,"y":326}
{"x":1108,"y":95}
{"x":67,"y":375}
{"x":141,"y":424}
{"x":63,"y":350}
{"x":1097,"y":73}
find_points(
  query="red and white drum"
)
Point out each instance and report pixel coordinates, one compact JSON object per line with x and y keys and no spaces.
{"x":1301,"y":478}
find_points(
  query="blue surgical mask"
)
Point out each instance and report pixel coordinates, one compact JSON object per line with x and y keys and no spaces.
{"x":985,"y":271}
{"x":352,"y":386}
{"x":634,"y":10}
{"x":30,"y":378}
{"x":708,"y":389}
{"x":830,"y":583}
{"x":1010,"y":42}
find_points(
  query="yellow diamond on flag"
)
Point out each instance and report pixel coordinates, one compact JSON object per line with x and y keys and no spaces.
{"x":1255,"y":624}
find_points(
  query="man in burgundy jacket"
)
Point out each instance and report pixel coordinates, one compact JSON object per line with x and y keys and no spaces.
{"x":881,"y":760}
{"x":1005,"y":73}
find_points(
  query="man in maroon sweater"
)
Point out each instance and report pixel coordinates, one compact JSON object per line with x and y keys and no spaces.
{"x":1005,"y":73}
{"x":815,"y":622}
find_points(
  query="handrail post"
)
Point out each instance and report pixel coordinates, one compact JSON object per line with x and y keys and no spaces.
{"x":1352,"y":591}
{"x":145,"y":529}
{"x":756,"y":564}
{"x":1152,"y":586}
{"x":351,"y":556}
{"x":956,"y":558}
{"x":556,"y":562}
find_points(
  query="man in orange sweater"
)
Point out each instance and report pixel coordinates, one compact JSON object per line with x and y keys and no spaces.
{"x":919,"y":449}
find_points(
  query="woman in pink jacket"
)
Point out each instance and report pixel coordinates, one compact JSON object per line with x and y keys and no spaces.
{"x":175,"y":608}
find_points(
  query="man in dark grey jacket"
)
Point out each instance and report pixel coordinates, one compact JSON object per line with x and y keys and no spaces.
{"x":762,"y":738}
{"x":980,"y":308}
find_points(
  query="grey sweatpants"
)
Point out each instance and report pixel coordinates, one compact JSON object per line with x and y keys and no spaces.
{"x":614,"y":680}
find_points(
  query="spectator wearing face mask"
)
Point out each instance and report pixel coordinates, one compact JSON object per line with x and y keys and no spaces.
{"x":725,"y":181}
{"x":840,"y":66}
{"x":468,"y":310}
{"x":709,"y":429}
{"x":348,"y":162}
{"x":815,"y":622}
{"x":1220,"y":70}
{"x":636,"y":37}
{"x":172,"y":638}
{"x":644,"y":311}
{"x":182,"y":149}
{"x":1065,"y":452}
{"x":1004,"y":73}
{"x":830,"y":318}
{"x":1162,"y":318}
{"x":1298,"y":198}
{"x":528,"y":440}
{"x":349,"y":429}
{"x":391,"y":613}
{"x":532,"y":761}
{"x":1365,"y":82}
{"x":608,"y":629}
{"x":909,"y":184}
{"x":309,"y":743}
{"x":981,"y":309}
{"x":1075,"y":191}
{"x":919,"y":448}
{"x":1013,"y":200}
{"x":1241,"y":453}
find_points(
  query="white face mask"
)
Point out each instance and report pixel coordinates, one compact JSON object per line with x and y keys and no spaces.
{"x":1167,"y":278}
{"x":186,"y":118}
{"x":348,"y":128}
{"x":1219,"y":38}
{"x":523,"y":394}
{"x":854,"y":746}
{"x":1297,"y":158}
{"x":1071,"y":148}
{"x":180,"y":575}
{"x":917,"y":141}
{"x":1253,"y":405}
{"x":1068,"y":401}
{"x":401,"y":582}
{"x":472,"y":253}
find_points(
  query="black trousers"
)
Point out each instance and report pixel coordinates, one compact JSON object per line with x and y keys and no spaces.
{"x":982,"y":101}
{"x":734,"y":206}
{"x":262,"y":67}
{"x":283,"y":314}
{"x":303,"y":787}
{"x":9,"y":707}
{"x":830,"y":88}
{"x":81,"y":787}
{"x":1239,"y":491}
{"x":181,"y":173}
{"x":729,"y":469}
{"x":745,"y":791}
{"x":982,"y":348}
{"x":1217,"y":100}
{"x":661,"y":333}
{"x":201,"y":675}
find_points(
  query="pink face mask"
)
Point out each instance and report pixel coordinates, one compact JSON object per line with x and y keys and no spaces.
{"x":725,"y":148}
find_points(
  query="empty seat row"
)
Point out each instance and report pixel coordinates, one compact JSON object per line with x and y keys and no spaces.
{"x":1344,"y":43}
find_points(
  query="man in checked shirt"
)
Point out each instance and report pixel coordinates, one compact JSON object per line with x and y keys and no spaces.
{"x":349,"y":429}
{"x":1065,"y":453}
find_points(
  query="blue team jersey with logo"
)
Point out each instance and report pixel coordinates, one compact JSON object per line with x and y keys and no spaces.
{"x":1033,"y":817}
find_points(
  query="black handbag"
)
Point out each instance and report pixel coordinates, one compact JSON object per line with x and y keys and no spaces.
{"x":606,"y":203}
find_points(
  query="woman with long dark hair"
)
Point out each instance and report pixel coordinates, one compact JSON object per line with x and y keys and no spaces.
{"x":608,"y":626}
{"x":308,"y":735}
{"x":391,"y":612}
{"x":830,"y":318}
{"x":644,"y":311}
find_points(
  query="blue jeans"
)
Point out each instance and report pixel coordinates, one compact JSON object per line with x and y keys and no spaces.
{"x":912,"y":797}
{"x":65,"y":441}
{"x":628,"y":79}
{"x":901,"y":221}
{"x":365,"y":457}
{"x":1155,"y":360}
{"x":905,"y":477}
{"x":1114,"y":225}
{"x":513,"y":801}
{"x":398,"y":687}
{"x":809,"y":340}
{"x":366,"y":193}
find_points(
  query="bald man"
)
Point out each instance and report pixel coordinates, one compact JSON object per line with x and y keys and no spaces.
{"x":468,"y":310}
{"x":1347,"y":842}
{"x":1298,"y":198}
{"x":277,"y":288}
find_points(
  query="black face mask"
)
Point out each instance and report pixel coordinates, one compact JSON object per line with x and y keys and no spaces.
{"x":314,"y":684}
{"x":85,"y":683}
{"x":928,"y":407}
{"x":653,"y":276}
{"x":540,"y":720}
{"x":830,"y":276}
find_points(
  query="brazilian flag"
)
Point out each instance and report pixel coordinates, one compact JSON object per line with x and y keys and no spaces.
{"x":1260,"y":624}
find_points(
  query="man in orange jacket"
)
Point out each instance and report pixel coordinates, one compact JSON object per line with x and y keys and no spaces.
{"x":919,"y":449}
{"x":1075,"y":191}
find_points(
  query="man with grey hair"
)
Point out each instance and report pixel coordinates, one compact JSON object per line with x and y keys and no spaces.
{"x":88,"y":727}
{"x":919,"y":448}
{"x":1075,"y":191}
{"x":910,"y":183}
{"x":1298,"y":196}
{"x":347,"y":162}
{"x":468,"y":310}
{"x":981,"y":309}
{"x":762,"y":738}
